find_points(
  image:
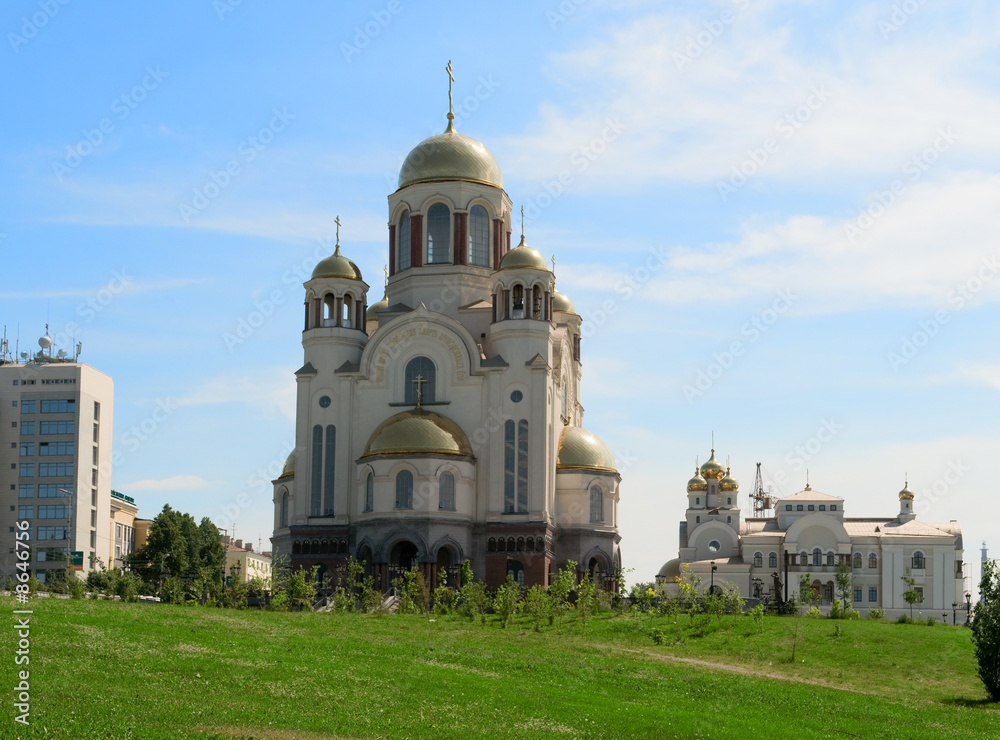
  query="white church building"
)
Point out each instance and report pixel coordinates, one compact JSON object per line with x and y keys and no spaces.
{"x":443,"y":422}
{"x":809,"y":534}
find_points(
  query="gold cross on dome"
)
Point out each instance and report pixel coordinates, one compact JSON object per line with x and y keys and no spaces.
{"x":451,"y":79}
{"x":419,"y":382}
{"x":337,"y":221}
{"x":553,"y":264}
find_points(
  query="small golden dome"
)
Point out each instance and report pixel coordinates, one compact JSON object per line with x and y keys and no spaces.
{"x":372,"y":313}
{"x":561,"y":302}
{"x":713,"y":468}
{"x":337,"y":266}
{"x":697,"y":483}
{"x":906,"y":494}
{"x":523,"y":257}
{"x":289,"y":469}
{"x":581,"y":450}
{"x":418,"y":432}
{"x":729,"y":483}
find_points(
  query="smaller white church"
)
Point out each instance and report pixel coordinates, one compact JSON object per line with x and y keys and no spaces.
{"x":764,"y":557}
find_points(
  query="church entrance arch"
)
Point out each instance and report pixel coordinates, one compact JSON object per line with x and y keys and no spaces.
{"x":402,"y":557}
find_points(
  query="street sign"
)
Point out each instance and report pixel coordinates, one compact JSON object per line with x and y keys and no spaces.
{"x":76,"y":560}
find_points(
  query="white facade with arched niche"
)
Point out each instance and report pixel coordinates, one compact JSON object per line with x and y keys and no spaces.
{"x":809,"y":534}
{"x":442,"y":423}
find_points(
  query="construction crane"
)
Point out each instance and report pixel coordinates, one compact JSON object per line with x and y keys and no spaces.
{"x":762,"y":502}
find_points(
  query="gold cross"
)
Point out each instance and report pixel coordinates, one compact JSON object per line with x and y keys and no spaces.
{"x":451,"y":79}
{"x":385,"y":269}
{"x":553,"y":264}
{"x":337,"y":221}
{"x":522,"y":220}
{"x":419,"y":382}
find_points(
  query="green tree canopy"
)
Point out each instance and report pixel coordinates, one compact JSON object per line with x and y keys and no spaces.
{"x":178,"y":546}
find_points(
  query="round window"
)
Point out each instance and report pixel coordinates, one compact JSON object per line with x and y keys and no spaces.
{"x":324,"y":401}
{"x":714,"y":546}
{"x":516,"y":396}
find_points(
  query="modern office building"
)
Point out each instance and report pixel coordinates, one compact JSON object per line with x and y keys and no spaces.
{"x":55,"y":452}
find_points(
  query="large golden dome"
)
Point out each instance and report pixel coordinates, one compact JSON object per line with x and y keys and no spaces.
{"x":713,"y":468}
{"x":337,"y":266}
{"x":450,"y":156}
{"x":418,"y":432}
{"x":582,"y":450}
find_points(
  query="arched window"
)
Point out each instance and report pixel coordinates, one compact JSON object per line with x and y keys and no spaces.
{"x":729,"y":520}
{"x":316,"y":479}
{"x":516,"y":571}
{"x":370,"y":492}
{"x":438,"y":231}
{"x":404,"y":490}
{"x":729,"y":501}
{"x":830,"y":558}
{"x":857,"y":560}
{"x":329,"y":469}
{"x":491,"y":546}
{"x":817,"y":556}
{"x":479,"y":237}
{"x":329,"y":310}
{"x":283,"y":514}
{"x":697,"y":501}
{"x":423,"y":367}
{"x":403,"y":263}
{"x":446,"y":492}
{"x":345,"y":313}
{"x":772,"y":560}
{"x":296,"y":547}
{"x":697,"y":520}
{"x":872,"y":560}
{"x":515,"y":467}
{"x":596,"y":504}
{"x":536,"y":302}
{"x":517,"y":302}
{"x":758,"y":560}
{"x":918,"y":560}
{"x":804,"y":558}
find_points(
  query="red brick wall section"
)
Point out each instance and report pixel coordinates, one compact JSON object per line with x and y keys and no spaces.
{"x":392,"y":249}
{"x":461,"y":248}
{"x":416,"y":240}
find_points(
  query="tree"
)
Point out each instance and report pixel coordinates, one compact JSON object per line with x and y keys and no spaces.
{"x":179,"y":546}
{"x":559,"y":590}
{"x":507,"y":599}
{"x":986,"y":629}
{"x":844,"y":581}
{"x":586,"y":599}
{"x":911,"y":595}
{"x":807,"y":592}
{"x":538,"y":605}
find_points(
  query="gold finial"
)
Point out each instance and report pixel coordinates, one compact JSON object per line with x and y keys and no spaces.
{"x":419,"y":382}
{"x":451,"y":115}
{"x":337,"y":221}
{"x":807,"y":480}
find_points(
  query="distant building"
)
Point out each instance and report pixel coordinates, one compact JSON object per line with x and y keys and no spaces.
{"x":243,"y":563}
{"x":810,"y":534}
{"x":123,"y":517}
{"x":55,"y":448}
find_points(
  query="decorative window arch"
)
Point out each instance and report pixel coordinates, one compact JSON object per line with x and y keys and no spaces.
{"x":516,"y":571}
{"x":804,"y":558}
{"x":758,"y":560}
{"x":425,"y":368}
{"x":479,"y":236}
{"x":491,"y":546}
{"x":517,"y":301}
{"x":329,"y":310}
{"x":772,"y":560}
{"x":536,"y":302}
{"x":817,"y":556}
{"x":872,"y":560}
{"x":283,"y":511}
{"x":830,"y":558}
{"x":697,"y":520}
{"x":369,"y":492}
{"x":446,"y":491}
{"x":403,"y":263}
{"x":404,"y":489}
{"x":438,"y":233}
{"x":918,"y":560}
{"x":858,"y":561}
{"x":596,"y":504}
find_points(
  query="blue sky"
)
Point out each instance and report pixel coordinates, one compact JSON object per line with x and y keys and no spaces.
{"x":755,"y":206}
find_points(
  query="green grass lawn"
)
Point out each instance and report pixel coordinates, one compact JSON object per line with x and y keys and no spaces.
{"x":110,"y":670}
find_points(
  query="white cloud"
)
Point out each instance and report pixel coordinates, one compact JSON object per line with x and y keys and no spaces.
{"x":272,"y":390}
{"x":175,"y":483}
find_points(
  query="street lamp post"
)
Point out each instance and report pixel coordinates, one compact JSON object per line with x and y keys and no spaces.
{"x":954,"y":618}
{"x":69,"y":530}
{"x":711,"y":589}
{"x":968,"y":609}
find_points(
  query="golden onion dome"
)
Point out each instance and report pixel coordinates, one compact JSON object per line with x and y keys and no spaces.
{"x":372,"y":313}
{"x":289,"y":469}
{"x":418,"y":432}
{"x":729,"y":483}
{"x":450,"y":156}
{"x":697,"y":483}
{"x":561,"y":302}
{"x":713,"y":468}
{"x":670,"y":572}
{"x":337,"y":266}
{"x":582,"y":450}
{"x":523,"y":257}
{"x":906,"y":494}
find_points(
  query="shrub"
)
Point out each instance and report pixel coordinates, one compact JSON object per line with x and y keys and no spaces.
{"x":986,"y":629}
{"x":507,"y":599}
{"x":814,"y":612}
{"x":931,"y":621}
{"x":757,"y":613}
{"x":876,"y":614}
